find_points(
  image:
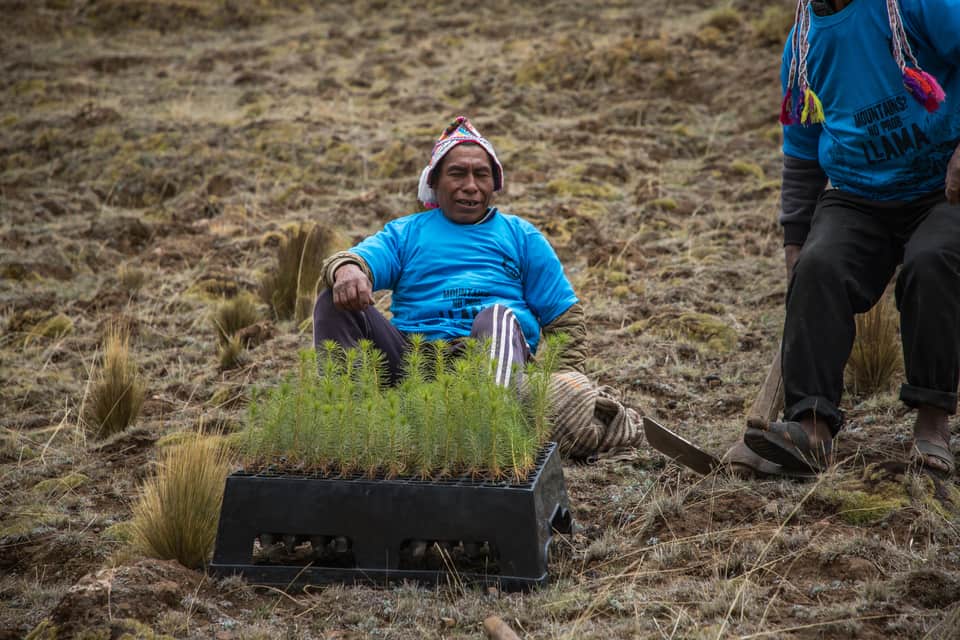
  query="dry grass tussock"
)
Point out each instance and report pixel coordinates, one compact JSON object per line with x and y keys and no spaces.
{"x":178,"y":509}
{"x":131,"y":278}
{"x":232,"y":315}
{"x":876,"y":354}
{"x":117,"y":395}
{"x":292,"y":286}
{"x":231,"y":353}
{"x":229,"y":317}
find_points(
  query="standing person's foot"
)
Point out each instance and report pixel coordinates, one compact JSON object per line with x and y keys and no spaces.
{"x":931,"y":442}
{"x":745,"y":464}
{"x":795,"y":446}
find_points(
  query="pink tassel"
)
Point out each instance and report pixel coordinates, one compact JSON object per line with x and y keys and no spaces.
{"x":938,"y":93}
{"x":924,"y":88}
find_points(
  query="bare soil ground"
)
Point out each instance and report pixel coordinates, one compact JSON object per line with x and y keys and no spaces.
{"x":152,"y":150}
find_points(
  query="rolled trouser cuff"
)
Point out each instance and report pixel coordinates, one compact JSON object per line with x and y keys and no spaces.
{"x":917,"y":396}
{"x":823,"y":408}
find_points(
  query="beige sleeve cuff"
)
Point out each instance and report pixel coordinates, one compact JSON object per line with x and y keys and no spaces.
{"x":337,"y":260}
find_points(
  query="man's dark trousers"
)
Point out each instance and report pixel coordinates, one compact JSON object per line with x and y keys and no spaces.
{"x":497,"y":323}
{"x":853,"y":249}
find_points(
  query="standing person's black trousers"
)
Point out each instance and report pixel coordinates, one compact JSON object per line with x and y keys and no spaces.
{"x":852,"y":251}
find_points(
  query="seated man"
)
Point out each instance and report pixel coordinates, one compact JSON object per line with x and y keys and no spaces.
{"x":886,"y":136}
{"x":461,"y":268}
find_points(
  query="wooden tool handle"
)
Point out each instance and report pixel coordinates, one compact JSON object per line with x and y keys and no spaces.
{"x":769,"y":401}
{"x":497,"y":629}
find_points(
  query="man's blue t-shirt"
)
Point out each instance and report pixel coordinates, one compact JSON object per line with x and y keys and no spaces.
{"x":877,"y":141}
{"x":443,"y":274}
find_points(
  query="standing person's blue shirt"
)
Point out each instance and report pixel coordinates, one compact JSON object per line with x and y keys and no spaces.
{"x":879,"y":142}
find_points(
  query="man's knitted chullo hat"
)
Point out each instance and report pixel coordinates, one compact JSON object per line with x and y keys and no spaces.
{"x":457,"y":132}
{"x":802,"y":106}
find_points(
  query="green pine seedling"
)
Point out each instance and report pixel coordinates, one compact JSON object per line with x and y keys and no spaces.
{"x":447,"y":416}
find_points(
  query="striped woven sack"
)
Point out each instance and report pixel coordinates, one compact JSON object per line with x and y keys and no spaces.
{"x":589,"y":419}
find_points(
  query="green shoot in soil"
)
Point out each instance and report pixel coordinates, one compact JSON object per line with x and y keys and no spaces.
{"x":446,"y":417}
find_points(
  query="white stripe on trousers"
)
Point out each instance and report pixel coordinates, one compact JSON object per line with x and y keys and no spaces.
{"x":501,"y":346}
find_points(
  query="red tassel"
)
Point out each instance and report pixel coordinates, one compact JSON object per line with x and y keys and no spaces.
{"x":785,"y":117}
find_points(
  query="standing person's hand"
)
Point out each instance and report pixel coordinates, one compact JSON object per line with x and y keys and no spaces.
{"x":352,"y":290}
{"x":953,"y":178}
{"x":791,"y":253}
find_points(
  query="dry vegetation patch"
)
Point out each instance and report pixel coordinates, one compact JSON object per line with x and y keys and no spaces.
{"x":160,"y":158}
{"x":176,"y":515}
{"x":290,"y":287}
{"x":877,"y":355}
{"x":117,"y":393}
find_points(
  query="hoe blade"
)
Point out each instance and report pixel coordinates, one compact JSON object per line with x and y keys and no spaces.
{"x":678,"y":448}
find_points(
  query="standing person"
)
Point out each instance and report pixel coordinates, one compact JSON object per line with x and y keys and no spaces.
{"x":461,"y":268}
{"x":872,"y":105}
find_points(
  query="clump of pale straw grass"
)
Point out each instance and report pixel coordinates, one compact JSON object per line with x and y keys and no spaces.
{"x":178,"y":509}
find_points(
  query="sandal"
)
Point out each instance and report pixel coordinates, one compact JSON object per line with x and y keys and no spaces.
{"x":925,"y":449}
{"x":787,"y":444}
{"x":744,"y":463}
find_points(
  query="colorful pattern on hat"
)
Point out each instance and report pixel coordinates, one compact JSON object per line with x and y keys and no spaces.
{"x":802,"y":106}
{"x":457,"y":132}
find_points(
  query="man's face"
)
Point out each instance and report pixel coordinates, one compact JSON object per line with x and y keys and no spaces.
{"x":465,"y":183}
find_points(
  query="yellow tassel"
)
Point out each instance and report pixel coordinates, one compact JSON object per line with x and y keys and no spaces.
{"x":812,"y":108}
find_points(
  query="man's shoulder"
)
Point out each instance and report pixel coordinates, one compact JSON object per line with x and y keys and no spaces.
{"x":412,"y":220}
{"x":517,"y":222}
{"x":418,"y":216}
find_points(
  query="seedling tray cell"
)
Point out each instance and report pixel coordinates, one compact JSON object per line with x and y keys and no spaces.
{"x":291,"y":530}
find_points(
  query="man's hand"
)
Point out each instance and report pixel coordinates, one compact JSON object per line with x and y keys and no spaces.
{"x":352,"y":290}
{"x":953,"y":178}
{"x":791,"y":253}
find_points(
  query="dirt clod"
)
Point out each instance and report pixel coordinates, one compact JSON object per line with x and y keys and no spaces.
{"x":140,"y":592}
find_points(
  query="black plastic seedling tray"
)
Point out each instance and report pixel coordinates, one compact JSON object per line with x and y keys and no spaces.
{"x":357,"y":529}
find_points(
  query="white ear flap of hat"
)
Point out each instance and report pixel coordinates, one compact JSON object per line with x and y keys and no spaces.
{"x":425,"y":192}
